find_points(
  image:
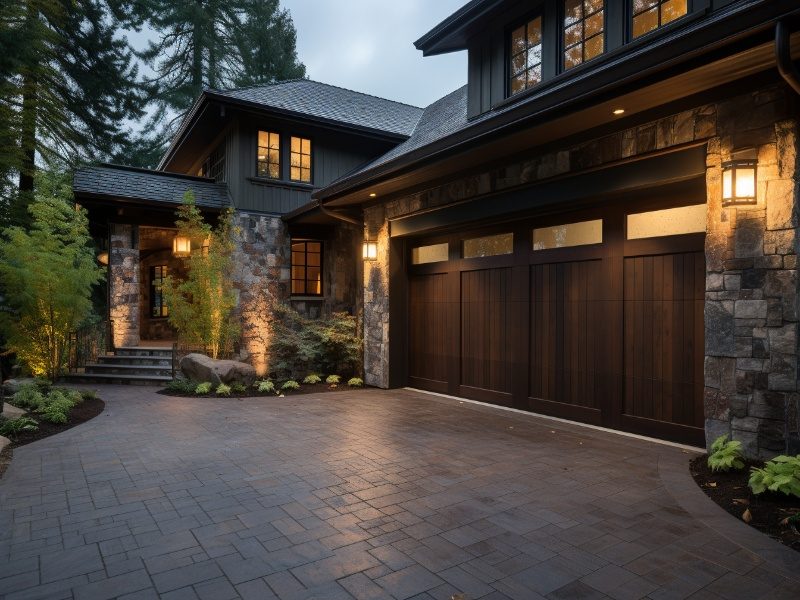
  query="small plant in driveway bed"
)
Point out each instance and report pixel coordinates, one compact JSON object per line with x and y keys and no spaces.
{"x":725,"y":455}
{"x":28,"y":397}
{"x":312,"y":379}
{"x":781,"y":474}
{"x":355,"y":382}
{"x":290,"y":385}
{"x":10,"y":428}
{"x":223,"y":390}
{"x":238,"y":388}
{"x":333,"y":379}
{"x":265,"y":386}
{"x":181,"y":386}
{"x":203,"y":388}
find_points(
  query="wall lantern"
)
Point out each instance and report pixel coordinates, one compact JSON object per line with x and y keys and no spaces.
{"x":181,"y":246}
{"x":739,"y":179}
{"x":102,"y":258}
{"x":370,"y":250}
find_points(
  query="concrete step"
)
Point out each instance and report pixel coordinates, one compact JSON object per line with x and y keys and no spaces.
{"x":115,"y":379}
{"x":126,"y":369}
{"x":111,"y":359}
{"x":141,"y":351}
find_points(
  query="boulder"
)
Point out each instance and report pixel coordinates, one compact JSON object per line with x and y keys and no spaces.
{"x":199,"y":367}
{"x":12,"y":412}
{"x":11,"y":386}
{"x":4,"y":441}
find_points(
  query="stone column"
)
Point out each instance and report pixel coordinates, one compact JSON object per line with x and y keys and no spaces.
{"x":123,"y":284}
{"x":751,"y":371}
{"x":376,"y":300}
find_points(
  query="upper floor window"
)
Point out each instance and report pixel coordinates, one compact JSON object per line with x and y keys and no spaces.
{"x":301,"y":159}
{"x":652,"y":14}
{"x":307,"y":268}
{"x":214,"y":166}
{"x":269,"y":154}
{"x":583,"y":31}
{"x":526,"y":56}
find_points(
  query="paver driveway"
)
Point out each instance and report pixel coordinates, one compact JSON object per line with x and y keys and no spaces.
{"x":367,"y":494}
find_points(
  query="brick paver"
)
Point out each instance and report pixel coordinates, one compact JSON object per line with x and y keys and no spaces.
{"x":364,"y":495}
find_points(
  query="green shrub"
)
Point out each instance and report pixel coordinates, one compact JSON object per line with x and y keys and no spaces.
{"x":203,"y":388}
{"x":301,"y":345}
{"x":290,"y":385}
{"x":238,"y":388}
{"x":57,"y":405}
{"x":181,"y":386}
{"x":332,"y":379}
{"x":28,"y":397}
{"x":223,"y":390}
{"x":88,"y":394}
{"x":725,"y":455}
{"x":312,"y":379}
{"x":781,"y":474}
{"x":265,"y":386}
{"x":355,"y":382}
{"x":12,"y":427}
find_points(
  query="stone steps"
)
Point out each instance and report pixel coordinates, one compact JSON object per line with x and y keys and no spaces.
{"x":128,"y":366}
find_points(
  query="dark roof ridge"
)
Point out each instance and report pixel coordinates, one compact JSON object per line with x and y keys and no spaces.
{"x":153,"y":171}
{"x":296,"y":79}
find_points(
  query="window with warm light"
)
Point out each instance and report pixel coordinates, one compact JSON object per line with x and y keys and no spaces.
{"x":301,"y":159}
{"x":568,"y":235}
{"x":680,"y":220}
{"x":157,"y":306}
{"x":269,"y":155}
{"x":490,"y":245}
{"x":583,"y":31}
{"x":525,"y":55}
{"x":307,"y":268}
{"x":649,"y":15}
{"x":422,"y":255}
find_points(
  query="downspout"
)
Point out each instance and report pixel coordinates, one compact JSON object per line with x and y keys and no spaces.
{"x":783,"y":54}
{"x":337,"y":215}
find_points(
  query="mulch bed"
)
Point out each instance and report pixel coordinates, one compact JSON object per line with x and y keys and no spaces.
{"x":305,"y":388}
{"x":86,"y":410}
{"x":730,"y":491}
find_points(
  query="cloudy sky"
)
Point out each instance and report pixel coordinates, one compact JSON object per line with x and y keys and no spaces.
{"x":368,"y":46}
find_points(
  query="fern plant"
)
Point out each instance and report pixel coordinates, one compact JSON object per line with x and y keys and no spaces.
{"x":28,"y":397}
{"x":265,"y":386}
{"x":312,"y":379}
{"x":203,"y":388}
{"x":725,"y":455}
{"x":332,"y":379}
{"x":355,"y":382}
{"x":223,"y":390}
{"x":12,"y":427}
{"x":781,"y":474}
{"x":290,"y":385}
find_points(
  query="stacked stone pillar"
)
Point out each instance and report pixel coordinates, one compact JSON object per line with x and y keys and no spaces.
{"x":123,"y":284}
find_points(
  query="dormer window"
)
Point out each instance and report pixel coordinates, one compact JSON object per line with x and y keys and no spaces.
{"x":583,"y":31}
{"x":526,"y":56}
{"x":649,"y":15}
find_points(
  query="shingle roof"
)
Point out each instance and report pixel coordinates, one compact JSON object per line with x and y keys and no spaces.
{"x":115,"y":181}
{"x":324,"y":101}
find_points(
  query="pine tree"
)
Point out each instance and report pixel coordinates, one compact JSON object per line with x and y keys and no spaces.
{"x":69,"y":85}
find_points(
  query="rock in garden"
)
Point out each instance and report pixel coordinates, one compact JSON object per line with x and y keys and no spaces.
{"x":199,"y":367}
{"x":11,"y":386}
{"x":12,"y":412}
{"x":4,"y":441}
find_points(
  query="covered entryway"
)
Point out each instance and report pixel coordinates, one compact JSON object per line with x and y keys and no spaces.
{"x":594,"y":315}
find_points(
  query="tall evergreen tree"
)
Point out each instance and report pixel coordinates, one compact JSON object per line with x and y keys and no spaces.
{"x":69,"y":85}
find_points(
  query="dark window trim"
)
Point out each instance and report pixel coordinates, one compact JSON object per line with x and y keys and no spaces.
{"x":516,"y":24}
{"x":561,"y":12}
{"x":310,"y":158}
{"x":162,"y":306}
{"x":305,"y":293}
{"x":280,"y":152}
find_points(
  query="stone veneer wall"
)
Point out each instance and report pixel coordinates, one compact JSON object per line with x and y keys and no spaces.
{"x":751,"y":301}
{"x":124,"y":284}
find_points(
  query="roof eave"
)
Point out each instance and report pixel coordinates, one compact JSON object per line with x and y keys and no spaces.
{"x":436,"y":40}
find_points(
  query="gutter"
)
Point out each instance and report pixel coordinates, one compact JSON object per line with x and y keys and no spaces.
{"x":783,"y":55}
{"x":338,"y":215}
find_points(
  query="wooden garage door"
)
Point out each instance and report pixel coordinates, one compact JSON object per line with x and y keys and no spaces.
{"x":606,"y":331}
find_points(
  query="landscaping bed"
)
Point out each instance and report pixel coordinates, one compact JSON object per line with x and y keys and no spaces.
{"x":80,"y":413}
{"x":767,"y":511}
{"x":189,"y":390}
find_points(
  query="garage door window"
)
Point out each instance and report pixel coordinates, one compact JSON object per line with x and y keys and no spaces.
{"x":670,"y":221}
{"x":492,"y":245}
{"x":428,"y":254}
{"x":569,"y":234}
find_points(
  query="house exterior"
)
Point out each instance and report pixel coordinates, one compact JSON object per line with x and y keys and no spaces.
{"x":601,"y":225}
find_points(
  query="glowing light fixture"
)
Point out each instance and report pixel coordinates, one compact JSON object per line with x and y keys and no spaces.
{"x":739,"y":179}
{"x":370,"y":250}
{"x":181,"y":246}
{"x":372,"y":194}
{"x":102,"y":258}
{"x":619,"y":111}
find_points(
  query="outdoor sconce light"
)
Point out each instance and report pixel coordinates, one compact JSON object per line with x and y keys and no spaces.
{"x":370,"y":250}
{"x":739,"y":179}
{"x":102,"y":258}
{"x":181,"y":246}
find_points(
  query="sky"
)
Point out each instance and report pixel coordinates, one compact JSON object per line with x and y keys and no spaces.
{"x":368,"y":46}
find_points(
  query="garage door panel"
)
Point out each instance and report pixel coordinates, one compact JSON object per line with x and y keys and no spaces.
{"x":566,"y":332}
{"x":663,"y":337}
{"x":486,"y":325}
{"x":429,"y":335}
